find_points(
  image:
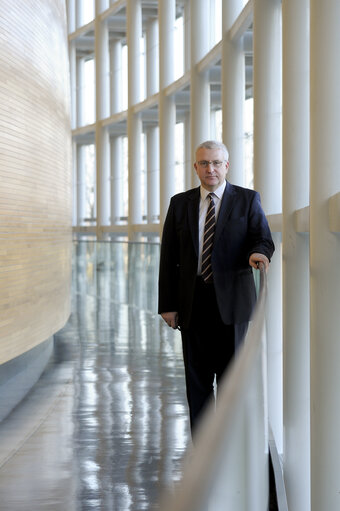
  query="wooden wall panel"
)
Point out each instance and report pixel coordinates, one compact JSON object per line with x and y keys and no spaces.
{"x":35,"y":174}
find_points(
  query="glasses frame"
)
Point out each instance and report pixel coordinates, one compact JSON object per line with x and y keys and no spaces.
{"x":216,"y":164}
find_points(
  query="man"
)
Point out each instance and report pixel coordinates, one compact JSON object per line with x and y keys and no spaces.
{"x":211,"y":297}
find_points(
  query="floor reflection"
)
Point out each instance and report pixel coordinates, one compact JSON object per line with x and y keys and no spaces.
{"x":126,"y":411}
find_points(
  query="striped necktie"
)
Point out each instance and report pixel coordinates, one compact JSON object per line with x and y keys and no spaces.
{"x":208,"y":239}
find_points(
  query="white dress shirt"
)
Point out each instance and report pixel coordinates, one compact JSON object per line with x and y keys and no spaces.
{"x":204,"y":204}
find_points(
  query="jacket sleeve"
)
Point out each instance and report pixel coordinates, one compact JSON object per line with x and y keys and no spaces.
{"x":168,"y":268}
{"x":259,"y":235}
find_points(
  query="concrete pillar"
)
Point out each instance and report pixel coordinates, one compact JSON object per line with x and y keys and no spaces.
{"x":74,"y":184}
{"x":80,"y":92}
{"x":73,"y":84}
{"x":324,"y":254}
{"x":187,"y":153}
{"x":116,"y":180}
{"x":79,"y":13}
{"x":103,"y":177}
{"x":81,"y":185}
{"x":102,"y":64}
{"x":233,"y":92}
{"x":134,"y":33}
{"x":116,"y":76}
{"x":71,"y":16}
{"x":152,"y":58}
{"x":101,"y":6}
{"x":167,"y":107}
{"x":187,"y":36}
{"x":295,"y":254}
{"x":152,"y":154}
{"x":267,"y":179}
{"x":200,"y":86}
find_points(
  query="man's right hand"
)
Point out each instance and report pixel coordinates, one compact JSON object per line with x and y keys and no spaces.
{"x":171,"y":319}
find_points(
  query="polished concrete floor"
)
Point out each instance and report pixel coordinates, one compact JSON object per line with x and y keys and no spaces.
{"x":106,"y":427}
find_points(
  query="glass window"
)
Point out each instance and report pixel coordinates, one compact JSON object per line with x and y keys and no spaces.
{"x":90,"y":178}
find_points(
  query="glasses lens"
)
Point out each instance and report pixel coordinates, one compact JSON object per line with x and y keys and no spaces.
{"x":215,"y":163}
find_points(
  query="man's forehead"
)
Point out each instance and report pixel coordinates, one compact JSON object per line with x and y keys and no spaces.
{"x":204,"y":150}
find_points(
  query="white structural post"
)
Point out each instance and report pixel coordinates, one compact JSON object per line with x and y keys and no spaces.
{"x":73,"y":84}
{"x":295,"y":254}
{"x":116,"y":180}
{"x":79,"y":13}
{"x":71,"y":16}
{"x":152,"y":142}
{"x":152,"y":134}
{"x":102,"y":111}
{"x":74,"y":184}
{"x":116,"y":76}
{"x":187,"y":36}
{"x":152,"y":58}
{"x":80,"y":92}
{"x":81,"y":185}
{"x":187,"y":152}
{"x":324,"y":254}
{"x":233,"y":92}
{"x":134,"y":34}
{"x":167,"y":107}
{"x":200,"y":86}
{"x":267,"y":179}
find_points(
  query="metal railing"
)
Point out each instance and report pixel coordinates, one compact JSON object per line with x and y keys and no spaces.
{"x":227,"y":468}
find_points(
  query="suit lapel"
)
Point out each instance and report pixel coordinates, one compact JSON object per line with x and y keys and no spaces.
{"x":193,"y":209}
{"x":227,"y":205}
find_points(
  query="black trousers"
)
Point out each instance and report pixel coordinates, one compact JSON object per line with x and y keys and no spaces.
{"x":208,"y":347}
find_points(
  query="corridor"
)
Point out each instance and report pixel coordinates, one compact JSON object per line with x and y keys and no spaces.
{"x":106,"y":426}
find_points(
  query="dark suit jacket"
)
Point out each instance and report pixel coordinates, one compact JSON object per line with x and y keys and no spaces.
{"x":241,"y":230}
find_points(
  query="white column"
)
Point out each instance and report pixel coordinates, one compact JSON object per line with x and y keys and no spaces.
{"x":267,"y":179}
{"x":295,"y":252}
{"x":199,"y":87}
{"x":116,"y":180}
{"x":71,"y":16}
{"x":81,"y":185}
{"x":167,"y":107}
{"x":80,"y":92}
{"x":324,"y":254}
{"x":74,"y":184}
{"x":152,"y":58}
{"x":116,"y":76}
{"x":152,"y":140}
{"x":187,"y":36}
{"x":103,"y":177}
{"x":101,"y":6}
{"x":73,"y":84}
{"x":79,"y":13}
{"x":187,"y":152}
{"x":233,"y":92}
{"x":102,"y":111}
{"x":102,"y":62}
{"x":134,"y":33}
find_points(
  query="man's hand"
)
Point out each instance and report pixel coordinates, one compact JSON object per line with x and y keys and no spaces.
{"x":171,"y":319}
{"x":255,"y":259}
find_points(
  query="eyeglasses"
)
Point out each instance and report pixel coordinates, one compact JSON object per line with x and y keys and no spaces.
{"x":217,"y":164}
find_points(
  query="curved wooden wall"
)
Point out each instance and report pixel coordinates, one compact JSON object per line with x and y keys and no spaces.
{"x":35,"y":174}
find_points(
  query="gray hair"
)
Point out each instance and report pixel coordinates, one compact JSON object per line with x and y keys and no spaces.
{"x":214,"y":144}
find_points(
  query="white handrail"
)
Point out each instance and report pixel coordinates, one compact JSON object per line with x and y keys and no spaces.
{"x":227,"y":468}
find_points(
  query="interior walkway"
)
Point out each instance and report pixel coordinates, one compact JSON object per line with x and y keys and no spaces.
{"x":106,"y":427}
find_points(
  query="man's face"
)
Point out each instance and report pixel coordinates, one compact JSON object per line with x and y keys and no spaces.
{"x":211,"y":176}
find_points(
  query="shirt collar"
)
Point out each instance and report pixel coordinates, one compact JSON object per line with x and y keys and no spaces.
{"x":218,"y":192}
